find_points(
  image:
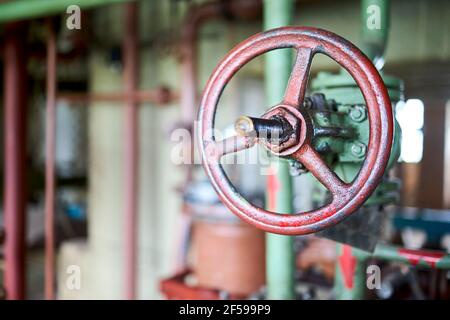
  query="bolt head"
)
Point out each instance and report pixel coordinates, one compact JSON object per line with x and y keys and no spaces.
{"x":359,"y":149}
{"x":358,"y":113}
{"x":297,"y":122}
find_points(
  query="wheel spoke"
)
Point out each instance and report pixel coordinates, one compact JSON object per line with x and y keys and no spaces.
{"x":217,"y":149}
{"x":314,"y":163}
{"x":295,"y":91}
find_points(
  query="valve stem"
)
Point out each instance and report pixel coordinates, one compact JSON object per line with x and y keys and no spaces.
{"x":269,"y":129}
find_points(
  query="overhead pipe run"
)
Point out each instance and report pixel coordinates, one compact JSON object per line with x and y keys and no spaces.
{"x":32,"y":9}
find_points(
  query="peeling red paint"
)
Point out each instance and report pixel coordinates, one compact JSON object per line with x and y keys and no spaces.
{"x":347,"y":263}
{"x":415,"y":256}
{"x":273,"y":186}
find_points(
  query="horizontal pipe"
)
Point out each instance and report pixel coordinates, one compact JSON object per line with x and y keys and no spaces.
{"x":423,"y":258}
{"x":157,"y":96}
{"x":31,"y":9}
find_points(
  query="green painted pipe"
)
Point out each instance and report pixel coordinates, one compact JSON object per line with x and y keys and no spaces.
{"x":350,"y":278}
{"x":375,"y":15}
{"x":31,"y":9}
{"x":350,"y":275}
{"x":280,"y":258}
{"x":420,"y":258}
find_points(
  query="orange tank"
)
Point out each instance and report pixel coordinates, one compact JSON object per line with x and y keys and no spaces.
{"x":229,"y":255}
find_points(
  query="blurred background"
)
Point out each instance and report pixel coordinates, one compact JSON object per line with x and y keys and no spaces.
{"x":100,"y":199}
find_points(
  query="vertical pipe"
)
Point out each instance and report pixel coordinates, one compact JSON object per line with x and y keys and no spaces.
{"x":15,"y":79}
{"x":375,"y":15}
{"x":50,"y":132}
{"x":349,"y":282}
{"x":196,"y":17}
{"x":131,"y":148}
{"x":280,"y":249}
{"x":188,"y":92}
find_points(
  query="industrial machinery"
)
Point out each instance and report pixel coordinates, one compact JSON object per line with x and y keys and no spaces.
{"x":344,"y":134}
{"x":313,"y":134}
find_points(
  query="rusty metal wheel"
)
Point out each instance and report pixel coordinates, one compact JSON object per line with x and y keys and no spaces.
{"x":346,"y":197}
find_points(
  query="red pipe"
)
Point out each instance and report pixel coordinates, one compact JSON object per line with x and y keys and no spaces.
{"x":159,"y":96}
{"x":195,"y":18}
{"x":15,"y":95}
{"x":130,"y":45}
{"x":50,"y":133}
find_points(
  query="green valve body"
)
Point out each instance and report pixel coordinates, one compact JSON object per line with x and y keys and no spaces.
{"x":349,"y":102}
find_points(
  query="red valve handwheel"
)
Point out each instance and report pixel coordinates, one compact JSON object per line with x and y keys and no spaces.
{"x":346,"y":197}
